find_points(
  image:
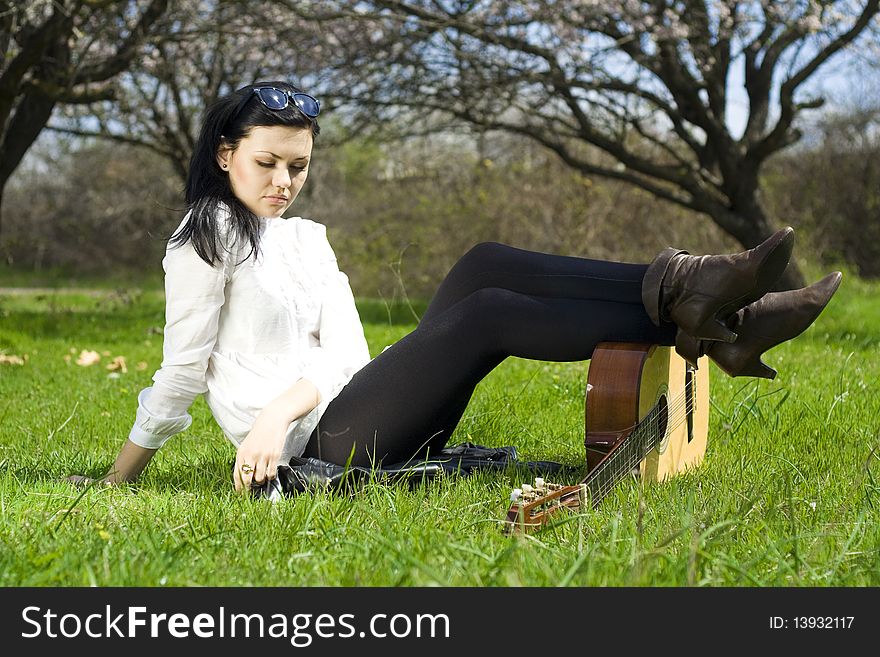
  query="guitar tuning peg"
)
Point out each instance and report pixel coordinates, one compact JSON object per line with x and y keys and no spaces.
{"x":539,"y":483}
{"x":527,"y":488}
{"x":516,"y":494}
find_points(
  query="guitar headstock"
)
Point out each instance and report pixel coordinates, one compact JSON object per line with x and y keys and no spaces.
{"x":533,"y":504}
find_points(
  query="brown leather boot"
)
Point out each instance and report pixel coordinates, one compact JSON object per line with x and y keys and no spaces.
{"x":699,"y":293}
{"x":769,"y":321}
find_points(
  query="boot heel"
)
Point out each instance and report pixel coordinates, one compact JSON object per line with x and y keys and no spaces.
{"x":756,"y":368}
{"x":714,"y":329}
{"x":734,"y":362}
{"x":769,"y":321}
{"x":688,"y":347}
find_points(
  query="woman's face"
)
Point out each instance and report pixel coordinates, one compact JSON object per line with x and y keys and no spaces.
{"x":268,"y":168}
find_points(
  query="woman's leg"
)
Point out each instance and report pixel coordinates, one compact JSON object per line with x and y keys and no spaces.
{"x":410,"y":397}
{"x":490,"y":264}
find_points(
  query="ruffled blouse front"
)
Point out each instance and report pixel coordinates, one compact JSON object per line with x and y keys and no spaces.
{"x":242,"y":333}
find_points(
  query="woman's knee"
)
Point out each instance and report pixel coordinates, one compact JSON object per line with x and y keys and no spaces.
{"x":467,"y":273}
{"x":483,"y":308}
{"x":483,"y":253}
{"x":488,"y":247}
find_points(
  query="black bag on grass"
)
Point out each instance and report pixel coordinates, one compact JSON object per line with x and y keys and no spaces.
{"x":309,"y":474}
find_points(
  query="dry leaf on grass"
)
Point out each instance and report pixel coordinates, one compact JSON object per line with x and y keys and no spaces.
{"x":118,"y":364}
{"x":12,"y":359}
{"x":87,"y":358}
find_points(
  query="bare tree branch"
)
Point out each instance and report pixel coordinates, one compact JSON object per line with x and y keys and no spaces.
{"x":647,"y":83}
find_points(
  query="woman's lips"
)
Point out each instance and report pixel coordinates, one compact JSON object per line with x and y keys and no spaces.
{"x":279,"y":200}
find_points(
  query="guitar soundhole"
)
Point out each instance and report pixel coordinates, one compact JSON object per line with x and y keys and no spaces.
{"x":662,"y":420}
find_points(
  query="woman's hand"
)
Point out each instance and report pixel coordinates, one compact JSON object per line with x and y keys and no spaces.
{"x":258,"y":454}
{"x":83,"y":481}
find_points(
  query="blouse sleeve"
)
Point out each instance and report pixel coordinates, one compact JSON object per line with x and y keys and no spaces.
{"x":194,"y":295}
{"x":342,"y":348}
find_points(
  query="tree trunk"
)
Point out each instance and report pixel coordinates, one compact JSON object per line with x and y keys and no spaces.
{"x":24,"y":127}
{"x":750,"y":228}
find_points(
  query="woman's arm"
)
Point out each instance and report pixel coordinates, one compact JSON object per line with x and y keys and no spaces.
{"x":130,"y":462}
{"x":194,"y":296}
{"x":195,"y":293}
{"x":262,"y":447}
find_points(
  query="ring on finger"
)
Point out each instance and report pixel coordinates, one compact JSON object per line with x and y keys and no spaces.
{"x":246,"y":468}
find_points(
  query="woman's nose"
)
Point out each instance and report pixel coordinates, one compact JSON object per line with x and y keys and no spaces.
{"x":281,"y":178}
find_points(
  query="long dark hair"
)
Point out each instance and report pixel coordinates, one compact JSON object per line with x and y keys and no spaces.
{"x":208,"y":191}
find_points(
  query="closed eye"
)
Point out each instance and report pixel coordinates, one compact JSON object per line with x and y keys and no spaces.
{"x":294,"y":167}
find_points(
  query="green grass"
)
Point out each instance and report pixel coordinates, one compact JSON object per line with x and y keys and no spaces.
{"x":787,"y":494}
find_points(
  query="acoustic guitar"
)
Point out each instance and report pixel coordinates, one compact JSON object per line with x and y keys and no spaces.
{"x":646,"y":412}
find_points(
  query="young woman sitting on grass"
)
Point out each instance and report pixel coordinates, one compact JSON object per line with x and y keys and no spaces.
{"x":260,"y":319}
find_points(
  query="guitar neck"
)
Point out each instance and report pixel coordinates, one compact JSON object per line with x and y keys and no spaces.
{"x":623,"y":458}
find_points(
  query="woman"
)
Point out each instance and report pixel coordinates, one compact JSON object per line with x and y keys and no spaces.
{"x":260,"y":319}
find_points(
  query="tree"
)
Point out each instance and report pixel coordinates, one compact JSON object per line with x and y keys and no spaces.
{"x":646,"y":83}
{"x":208,"y":49}
{"x":61,"y":51}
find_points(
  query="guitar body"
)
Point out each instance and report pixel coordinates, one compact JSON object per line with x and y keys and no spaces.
{"x":625,"y":382}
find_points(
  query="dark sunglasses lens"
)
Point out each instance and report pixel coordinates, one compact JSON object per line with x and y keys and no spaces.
{"x":273,"y":99}
{"x":307,"y":104}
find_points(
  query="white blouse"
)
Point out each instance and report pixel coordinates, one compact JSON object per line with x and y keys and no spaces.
{"x":242,"y":334}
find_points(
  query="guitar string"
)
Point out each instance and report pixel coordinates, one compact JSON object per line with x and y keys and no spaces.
{"x":628,"y":454}
{"x":623,"y":462}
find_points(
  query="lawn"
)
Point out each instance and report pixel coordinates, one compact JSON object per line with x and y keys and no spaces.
{"x":786,"y":496}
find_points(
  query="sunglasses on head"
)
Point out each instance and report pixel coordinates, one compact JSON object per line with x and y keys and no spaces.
{"x":279,"y":99}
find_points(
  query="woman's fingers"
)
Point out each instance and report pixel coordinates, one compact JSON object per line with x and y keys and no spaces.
{"x":244,"y":474}
{"x":267,"y":469}
{"x":80,"y":480}
{"x":272,"y":466}
{"x":238,"y":477}
{"x":260,"y":472}
{"x":254,"y":470}
{"x":83,"y":481}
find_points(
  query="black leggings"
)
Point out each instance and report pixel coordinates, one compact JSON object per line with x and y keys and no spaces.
{"x":497,"y":301}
